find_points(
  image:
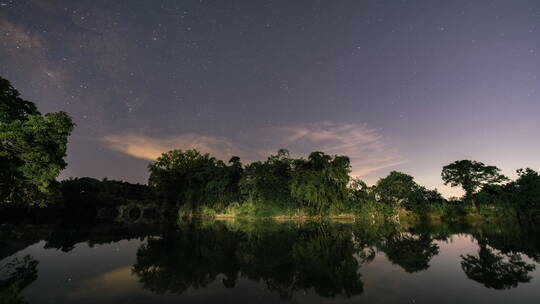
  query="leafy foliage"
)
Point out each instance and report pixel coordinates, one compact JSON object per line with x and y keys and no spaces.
{"x":471,"y":175}
{"x":527,"y":189}
{"x":32,"y":148}
{"x":522,"y":195}
{"x":395,"y":188}
{"x":269,"y":181}
{"x":400,"y":189}
{"x":189,"y":177}
{"x":12,"y":106}
{"x":320,"y":181}
{"x":359,"y":191}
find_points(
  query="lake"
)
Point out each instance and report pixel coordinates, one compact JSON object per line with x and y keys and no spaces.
{"x":267,"y":262}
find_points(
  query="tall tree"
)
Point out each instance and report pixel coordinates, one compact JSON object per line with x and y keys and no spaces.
{"x":12,"y":106}
{"x":360,"y":192}
{"x":268,"y":181}
{"x":471,"y":175}
{"x":196,"y":179}
{"x":320,"y":182}
{"x":395,"y":188}
{"x":32,"y":148}
{"x":526,"y":194}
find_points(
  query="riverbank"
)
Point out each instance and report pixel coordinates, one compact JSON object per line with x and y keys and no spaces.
{"x":381,"y":213}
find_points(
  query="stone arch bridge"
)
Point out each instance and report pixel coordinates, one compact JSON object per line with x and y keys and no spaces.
{"x":138,"y":213}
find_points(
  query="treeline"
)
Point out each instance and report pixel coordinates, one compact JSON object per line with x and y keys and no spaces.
{"x":191,"y":179}
{"x":523,"y":194}
{"x":33,"y":147}
{"x":90,"y":191}
{"x":320,"y":185}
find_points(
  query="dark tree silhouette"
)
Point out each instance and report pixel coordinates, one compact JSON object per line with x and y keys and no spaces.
{"x":471,"y":175}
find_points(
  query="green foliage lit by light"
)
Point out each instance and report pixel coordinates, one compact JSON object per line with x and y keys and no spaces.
{"x":32,"y":148}
{"x":320,"y":181}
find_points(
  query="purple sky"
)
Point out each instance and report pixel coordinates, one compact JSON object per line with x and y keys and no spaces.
{"x":396,"y":85}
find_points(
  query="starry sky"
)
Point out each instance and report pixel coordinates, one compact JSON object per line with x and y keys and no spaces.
{"x":395,"y":85}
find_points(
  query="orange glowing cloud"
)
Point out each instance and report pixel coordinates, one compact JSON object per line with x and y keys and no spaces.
{"x":364,"y":146}
{"x":150,"y":148}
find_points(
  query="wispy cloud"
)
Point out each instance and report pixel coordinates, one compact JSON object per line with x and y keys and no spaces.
{"x":365,"y":146}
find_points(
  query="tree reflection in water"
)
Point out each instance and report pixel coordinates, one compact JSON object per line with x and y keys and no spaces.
{"x":15,"y":276}
{"x":496,"y":270}
{"x":321,"y":257}
{"x":412,"y":252}
{"x":325,"y":258}
{"x":315,"y":256}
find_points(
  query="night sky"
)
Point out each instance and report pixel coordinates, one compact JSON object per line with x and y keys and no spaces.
{"x":395,"y":85}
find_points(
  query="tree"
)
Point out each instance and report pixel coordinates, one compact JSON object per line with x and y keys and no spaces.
{"x":422,"y":196}
{"x":189,"y":177}
{"x":268,"y":181}
{"x":526,"y":193}
{"x":12,"y":106}
{"x":320,"y":182}
{"x":90,"y":193}
{"x":395,"y":188}
{"x":360,"y":192}
{"x":32,"y":148}
{"x":471,"y":175}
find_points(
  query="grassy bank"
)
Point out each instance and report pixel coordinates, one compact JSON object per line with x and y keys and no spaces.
{"x":434,"y":213}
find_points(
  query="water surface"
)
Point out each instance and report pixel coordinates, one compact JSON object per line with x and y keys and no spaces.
{"x":266,"y":262}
